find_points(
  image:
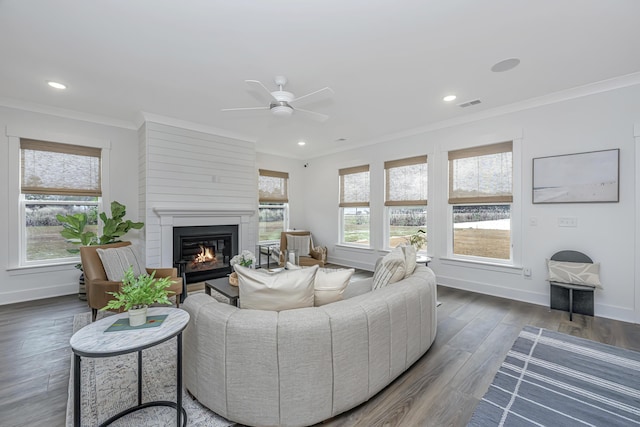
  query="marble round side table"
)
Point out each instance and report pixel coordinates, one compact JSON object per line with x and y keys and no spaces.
{"x":93,"y":341}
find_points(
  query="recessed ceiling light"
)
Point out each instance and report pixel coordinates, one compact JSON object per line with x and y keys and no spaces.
{"x":301,"y":143}
{"x":449,"y":98}
{"x":56,"y":85}
{"x":505,"y":65}
{"x":341,"y":139}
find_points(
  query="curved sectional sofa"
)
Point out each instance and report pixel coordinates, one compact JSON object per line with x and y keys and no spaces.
{"x":299,"y":367}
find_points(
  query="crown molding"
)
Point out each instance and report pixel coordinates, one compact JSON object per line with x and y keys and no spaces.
{"x":145,"y":116}
{"x":65,"y":113}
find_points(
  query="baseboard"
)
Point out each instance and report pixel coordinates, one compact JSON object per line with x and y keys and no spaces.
{"x":351,"y":263}
{"x":601,"y":310}
{"x":38,"y":293}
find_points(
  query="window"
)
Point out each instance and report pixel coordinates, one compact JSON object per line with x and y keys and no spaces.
{"x":405,"y":198}
{"x":354,"y":205}
{"x":481,"y":196}
{"x":273,"y":195}
{"x":55,"y":179}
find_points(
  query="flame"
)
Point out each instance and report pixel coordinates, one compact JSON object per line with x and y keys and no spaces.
{"x":206,"y":254}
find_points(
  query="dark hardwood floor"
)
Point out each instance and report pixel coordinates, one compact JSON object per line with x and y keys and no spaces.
{"x":474,"y":334}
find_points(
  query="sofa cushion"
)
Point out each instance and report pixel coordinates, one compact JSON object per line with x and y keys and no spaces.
{"x":276,"y":291}
{"x":116,"y":261}
{"x":329,"y":284}
{"x":575,"y":273}
{"x":409,"y":259}
{"x":299,"y":243}
{"x":390,"y":269}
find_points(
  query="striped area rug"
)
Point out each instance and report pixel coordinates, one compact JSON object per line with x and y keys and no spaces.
{"x":553,"y":379}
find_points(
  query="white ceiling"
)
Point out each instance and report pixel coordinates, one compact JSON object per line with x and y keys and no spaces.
{"x":389,"y":62}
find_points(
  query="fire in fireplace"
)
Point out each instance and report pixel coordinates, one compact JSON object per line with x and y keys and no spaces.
{"x":204,"y":252}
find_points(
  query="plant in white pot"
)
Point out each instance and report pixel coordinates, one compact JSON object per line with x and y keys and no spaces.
{"x":245,"y":259}
{"x":137,"y":293}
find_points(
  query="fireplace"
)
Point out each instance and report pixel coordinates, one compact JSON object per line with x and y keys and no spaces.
{"x":204,"y":252}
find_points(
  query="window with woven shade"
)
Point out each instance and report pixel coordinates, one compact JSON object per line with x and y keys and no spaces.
{"x":480,"y":197}
{"x":354,"y":205}
{"x":56,"y":179}
{"x":273,"y":199}
{"x":406,"y":200}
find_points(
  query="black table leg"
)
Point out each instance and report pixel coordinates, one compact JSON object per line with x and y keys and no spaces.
{"x":140,"y":377}
{"x":179,"y":380}
{"x":76,"y":390}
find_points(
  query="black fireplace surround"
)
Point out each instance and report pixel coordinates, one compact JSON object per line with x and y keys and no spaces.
{"x":203,"y":252}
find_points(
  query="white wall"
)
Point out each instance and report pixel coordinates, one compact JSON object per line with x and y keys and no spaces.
{"x":35,"y":283}
{"x":606,"y":231}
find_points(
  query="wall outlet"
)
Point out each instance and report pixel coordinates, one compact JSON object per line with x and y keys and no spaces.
{"x":526,"y":272}
{"x":567,"y":221}
{"x":533,"y":221}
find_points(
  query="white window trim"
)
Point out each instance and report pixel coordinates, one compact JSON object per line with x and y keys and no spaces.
{"x":14,"y":227}
{"x":341,"y":241}
{"x":516,"y":208}
{"x":285,"y":223}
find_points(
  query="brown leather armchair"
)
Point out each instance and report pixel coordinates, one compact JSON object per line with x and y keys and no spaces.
{"x":97,"y":283}
{"x":318,"y":254}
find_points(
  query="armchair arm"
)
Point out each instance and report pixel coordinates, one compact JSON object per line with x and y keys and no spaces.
{"x":319,"y":253}
{"x":163,"y":272}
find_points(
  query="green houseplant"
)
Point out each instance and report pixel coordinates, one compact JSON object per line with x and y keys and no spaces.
{"x":73,"y":229}
{"x":418,"y":239}
{"x":137,"y":293}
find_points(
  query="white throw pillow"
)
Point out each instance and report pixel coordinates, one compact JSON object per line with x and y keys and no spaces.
{"x":390,"y":269}
{"x":116,"y":261}
{"x":300,"y":243}
{"x":329,"y":284}
{"x":576,"y":273}
{"x":409,"y":259}
{"x":284,"y":290}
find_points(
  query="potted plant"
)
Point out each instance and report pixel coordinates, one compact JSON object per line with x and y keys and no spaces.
{"x":73,"y":229}
{"x":418,"y":239}
{"x":245,"y":259}
{"x":137,"y":293}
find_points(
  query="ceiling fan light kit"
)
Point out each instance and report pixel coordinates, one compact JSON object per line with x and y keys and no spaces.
{"x":283,"y":103}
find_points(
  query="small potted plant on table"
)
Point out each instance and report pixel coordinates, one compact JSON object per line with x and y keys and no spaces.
{"x":245,"y":259}
{"x":137,"y":293}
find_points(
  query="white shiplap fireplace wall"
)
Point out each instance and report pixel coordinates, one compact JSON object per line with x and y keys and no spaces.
{"x":193,"y":177}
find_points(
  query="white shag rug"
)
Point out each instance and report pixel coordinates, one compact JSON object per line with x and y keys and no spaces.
{"x":109,"y":385}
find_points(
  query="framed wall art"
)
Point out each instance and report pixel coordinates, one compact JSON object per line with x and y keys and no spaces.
{"x":590,"y":177}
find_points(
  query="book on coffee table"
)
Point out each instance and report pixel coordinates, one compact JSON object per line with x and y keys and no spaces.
{"x":122,"y":324}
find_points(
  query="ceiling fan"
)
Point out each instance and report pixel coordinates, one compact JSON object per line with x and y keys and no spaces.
{"x":283,"y":103}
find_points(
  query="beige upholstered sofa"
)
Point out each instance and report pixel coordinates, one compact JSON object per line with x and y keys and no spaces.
{"x":299,"y":367}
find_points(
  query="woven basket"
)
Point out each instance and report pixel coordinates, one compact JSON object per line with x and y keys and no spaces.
{"x":233,"y":279}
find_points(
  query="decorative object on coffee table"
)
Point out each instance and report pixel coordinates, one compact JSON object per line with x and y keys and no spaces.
{"x":245,"y":259}
{"x":138,"y":293}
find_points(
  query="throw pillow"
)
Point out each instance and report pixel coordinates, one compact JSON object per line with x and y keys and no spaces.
{"x":409,"y":259}
{"x":116,"y":261}
{"x":390,"y":269}
{"x":300,"y":243}
{"x":576,"y":273}
{"x":284,"y":290}
{"x":330,"y":285}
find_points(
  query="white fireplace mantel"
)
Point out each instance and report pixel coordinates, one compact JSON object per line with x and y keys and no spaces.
{"x":171,"y":217}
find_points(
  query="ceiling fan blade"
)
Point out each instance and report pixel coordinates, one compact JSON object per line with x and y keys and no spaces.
{"x":312,"y":114}
{"x":257,"y":86}
{"x":245,"y":108}
{"x":318,"y":95}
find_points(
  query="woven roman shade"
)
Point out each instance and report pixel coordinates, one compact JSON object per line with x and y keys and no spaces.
{"x":60,"y":169}
{"x":354,"y":186}
{"x":406,"y":182}
{"x":481,"y":174}
{"x":273,"y":186}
